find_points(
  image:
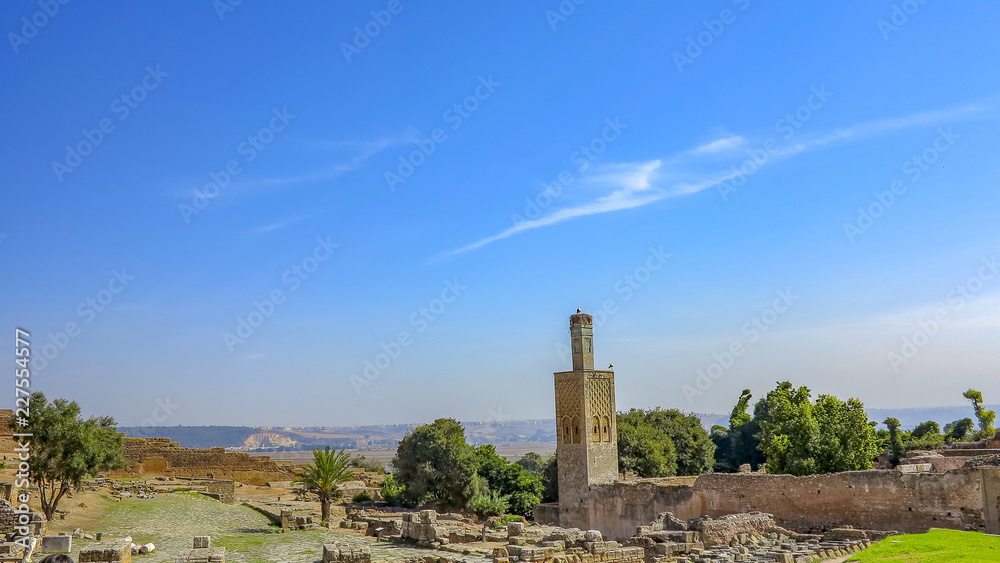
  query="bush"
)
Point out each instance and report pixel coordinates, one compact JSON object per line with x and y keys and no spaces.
{"x":362,"y":497}
{"x":489,"y":503}
{"x":508,"y":518}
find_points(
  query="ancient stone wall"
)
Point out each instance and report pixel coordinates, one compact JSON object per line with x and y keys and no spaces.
{"x":882,"y":500}
{"x":7,"y":443}
{"x":154,"y":457}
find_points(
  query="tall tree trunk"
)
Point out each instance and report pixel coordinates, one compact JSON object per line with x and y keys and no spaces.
{"x":324,"y":502}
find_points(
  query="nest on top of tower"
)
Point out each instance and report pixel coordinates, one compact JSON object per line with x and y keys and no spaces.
{"x":581,"y":319}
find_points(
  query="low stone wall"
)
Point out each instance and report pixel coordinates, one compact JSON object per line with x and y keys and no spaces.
{"x":155,"y":457}
{"x":881,"y":500}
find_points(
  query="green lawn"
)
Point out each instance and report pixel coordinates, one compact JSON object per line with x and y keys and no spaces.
{"x":936,"y":546}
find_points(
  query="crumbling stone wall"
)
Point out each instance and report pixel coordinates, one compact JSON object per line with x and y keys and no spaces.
{"x":885,"y":500}
{"x":160,"y":457}
{"x":7,"y":442}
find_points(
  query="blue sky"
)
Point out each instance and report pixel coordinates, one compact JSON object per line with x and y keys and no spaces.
{"x":435,"y":188}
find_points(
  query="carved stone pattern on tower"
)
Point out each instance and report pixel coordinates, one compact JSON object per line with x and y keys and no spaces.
{"x":567,"y":397}
{"x":600,"y":397}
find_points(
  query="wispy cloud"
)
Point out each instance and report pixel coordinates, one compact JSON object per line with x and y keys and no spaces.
{"x":349,"y":156}
{"x":634,"y":184}
{"x":282,"y":224}
{"x":725,"y":144}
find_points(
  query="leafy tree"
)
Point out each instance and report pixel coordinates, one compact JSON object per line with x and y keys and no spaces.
{"x":65,"y":448}
{"x":550,"y":480}
{"x":846,"y":439}
{"x":802,"y":438}
{"x":532,"y":463}
{"x":896,"y":449}
{"x":644,"y":449}
{"x":985,"y":417}
{"x":435,"y":463}
{"x":323,"y":476}
{"x":788,"y":430}
{"x":738,"y":444}
{"x":519,"y":489}
{"x":928,"y":428}
{"x":958,"y":430}
{"x":694,"y":449}
{"x":395,"y":493}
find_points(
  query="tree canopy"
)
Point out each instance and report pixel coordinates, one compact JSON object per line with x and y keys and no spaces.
{"x":795,"y":435}
{"x":324,"y":475}
{"x":65,"y":448}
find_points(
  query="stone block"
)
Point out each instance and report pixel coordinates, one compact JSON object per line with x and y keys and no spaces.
{"x":344,"y":552}
{"x":56,"y":544}
{"x":116,"y":551}
{"x":202,"y":555}
{"x":202,"y":542}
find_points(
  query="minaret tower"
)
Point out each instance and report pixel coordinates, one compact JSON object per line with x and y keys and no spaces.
{"x":585,"y":426}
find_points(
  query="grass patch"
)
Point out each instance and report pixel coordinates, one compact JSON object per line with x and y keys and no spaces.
{"x":936,"y":546}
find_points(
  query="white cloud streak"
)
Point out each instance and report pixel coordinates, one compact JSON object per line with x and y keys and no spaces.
{"x":635,"y":184}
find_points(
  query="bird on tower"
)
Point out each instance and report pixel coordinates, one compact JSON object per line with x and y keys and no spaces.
{"x":579,"y":310}
{"x":611,"y":366}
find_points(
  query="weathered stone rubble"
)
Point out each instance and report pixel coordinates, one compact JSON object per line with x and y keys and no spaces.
{"x":752,"y":537}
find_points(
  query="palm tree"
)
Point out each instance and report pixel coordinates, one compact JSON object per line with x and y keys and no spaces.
{"x":326,"y":472}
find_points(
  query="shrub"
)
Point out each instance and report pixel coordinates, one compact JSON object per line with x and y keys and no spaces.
{"x":362,"y":497}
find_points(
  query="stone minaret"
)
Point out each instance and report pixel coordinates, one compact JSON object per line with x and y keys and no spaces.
{"x":585,"y":425}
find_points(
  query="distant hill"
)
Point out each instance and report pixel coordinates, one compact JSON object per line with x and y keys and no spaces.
{"x":386,"y":436}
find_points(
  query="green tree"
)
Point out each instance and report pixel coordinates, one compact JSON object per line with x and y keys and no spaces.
{"x":550,"y":480}
{"x":532,"y":463}
{"x":800,"y":437}
{"x":65,"y":448}
{"x":693,"y":447}
{"x":323,"y":476}
{"x":958,"y":430}
{"x":788,"y":430}
{"x":846,"y":440}
{"x":928,"y":428}
{"x":895,"y":446}
{"x":985,"y":417}
{"x":518,"y":488}
{"x":738,"y":444}
{"x":435,"y":463}
{"x":642,"y":448}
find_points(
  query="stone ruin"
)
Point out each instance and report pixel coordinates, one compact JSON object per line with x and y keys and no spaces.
{"x":343,"y":552}
{"x":753,"y":537}
{"x":290,"y":522}
{"x":425,"y":528}
{"x":117,"y":550}
{"x":202,"y":552}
